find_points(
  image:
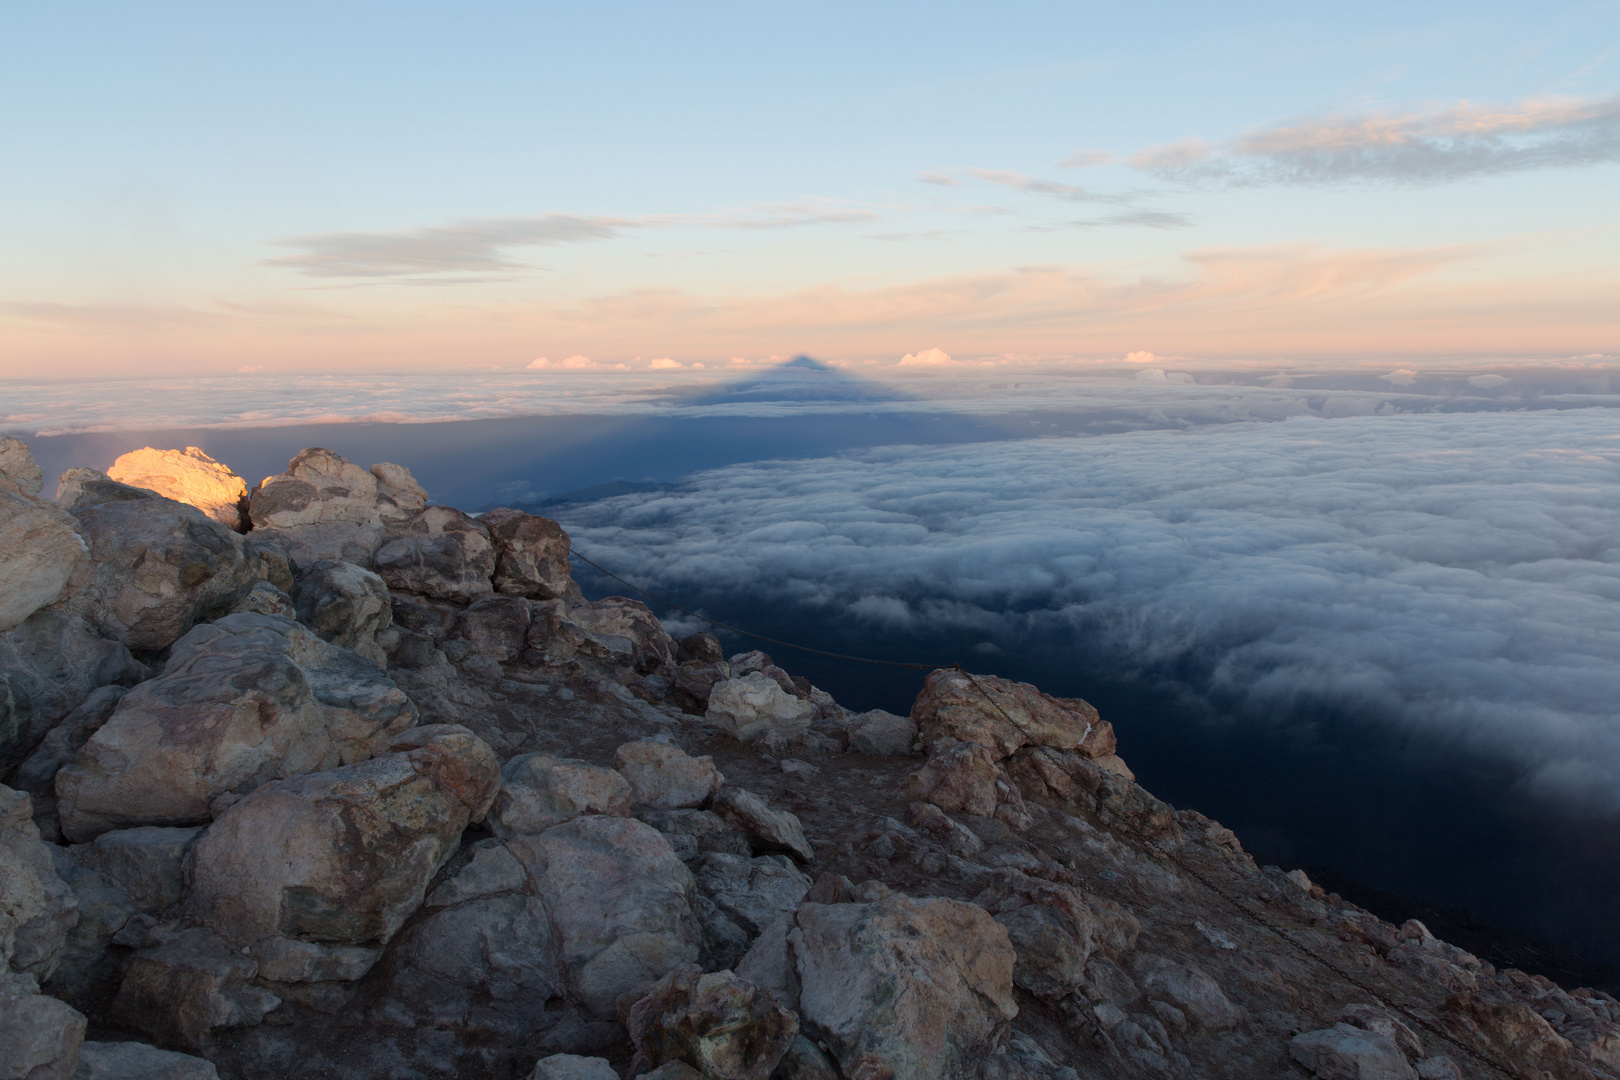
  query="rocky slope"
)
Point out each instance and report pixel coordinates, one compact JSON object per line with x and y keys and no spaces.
{"x":368,"y":789}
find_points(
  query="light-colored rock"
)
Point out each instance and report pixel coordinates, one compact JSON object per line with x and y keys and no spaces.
{"x":531,"y":556}
{"x":160,"y":566}
{"x":1381,"y":1021}
{"x":267,"y":599}
{"x":627,"y":631}
{"x":621,"y":903}
{"x":39,"y":1035}
{"x":722,"y":1025}
{"x":665,"y":777}
{"x":573,"y":1067}
{"x":441,"y":553}
{"x":959,"y":778}
{"x":345,"y":856}
{"x":881,"y":734}
{"x":288,"y":960}
{"x":399,"y":496}
{"x":138,"y":1061}
{"x":1004,"y":716}
{"x":1439,"y":1067}
{"x":145,"y":862}
{"x":39,"y":550}
{"x":1345,"y":1052}
{"x":898,"y":987}
{"x":767,"y":829}
{"x":37,"y":909}
{"x":17,"y":464}
{"x":322,"y":507}
{"x":1188,"y":988}
{"x":180,"y":990}
{"x":755,"y":707}
{"x":242,"y":701}
{"x":189,"y":476}
{"x":539,"y":791}
{"x":753,"y":893}
{"x":345,"y":604}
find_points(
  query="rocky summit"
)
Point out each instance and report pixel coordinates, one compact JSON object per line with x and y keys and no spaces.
{"x":318,"y":779}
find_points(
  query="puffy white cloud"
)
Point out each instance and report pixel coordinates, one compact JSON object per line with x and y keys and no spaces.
{"x":1488,"y":382}
{"x":925,"y":357}
{"x":1402,"y":377}
{"x":664,"y":363}
{"x":1455,"y":573}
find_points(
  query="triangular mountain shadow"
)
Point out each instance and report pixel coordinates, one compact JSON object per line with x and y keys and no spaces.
{"x":801,"y":379}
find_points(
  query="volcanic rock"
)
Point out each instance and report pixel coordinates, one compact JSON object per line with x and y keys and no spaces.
{"x":442,"y":554}
{"x":722,"y":1025}
{"x":899,"y":987}
{"x":343,"y":857}
{"x":242,"y":701}
{"x":322,"y":507}
{"x":345,"y":604}
{"x":665,"y":777}
{"x":39,"y":550}
{"x":881,"y":734}
{"x":17,"y":465}
{"x":620,"y":901}
{"x":189,"y":476}
{"x":531,"y":556}
{"x":539,"y":791}
{"x":39,"y":1035}
{"x":138,"y":1061}
{"x":753,"y":707}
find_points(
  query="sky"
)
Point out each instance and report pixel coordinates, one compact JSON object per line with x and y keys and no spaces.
{"x":210,"y":190}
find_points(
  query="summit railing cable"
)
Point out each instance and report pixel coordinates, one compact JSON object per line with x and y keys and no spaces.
{"x":1148,"y":847}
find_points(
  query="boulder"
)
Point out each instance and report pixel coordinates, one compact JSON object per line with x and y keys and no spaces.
{"x":754,"y":707}
{"x":39,"y":550}
{"x":665,"y":777}
{"x":343,"y":857}
{"x":619,"y":900}
{"x":399,"y":497}
{"x":37,"y":774}
{"x":267,"y":599}
{"x":767,"y":829}
{"x":881,"y":734}
{"x":627,"y":628}
{"x":242,"y":701}
{"x":753,"y":893}
{"x":897,"y":987}
{"x":497,"y":626}
{"x":539,"y":791}
{"x":693,"y":832}
{"x":190,"y":983}
{"x":1052,"y":948}
{"x":673,"y":1070}
{"x":160,"y":566}
{"x":695,"y":680}
{"x":441,"y":553}
{"x":573,"y":1067}
{"x":49,"y":666}
{"x":1003,"y":716}
{"x":345,"y":604}
{"x":85,"y":970}
{"x":959,"y":778}
{"x":805,"y":1060}
{"x":146,"y":862}
{"x":39,"y":1036}
{"x":322,"y":507}
{"x":1189,"y":989}
{"x":17,"y":465}
{"x":37,"y":909}
{"x":1346,"y":1052}
{"x":702,"y":647}
{"x":138,"y":1061}
{"x":489,"y":871}
{"x":724,"y":1026}
{"x":189,"y":476}
{"x":494,"y":952}
{"x":531,"y":556}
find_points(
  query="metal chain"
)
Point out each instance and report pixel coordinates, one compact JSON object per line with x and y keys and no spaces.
{"x":1148,"y":846}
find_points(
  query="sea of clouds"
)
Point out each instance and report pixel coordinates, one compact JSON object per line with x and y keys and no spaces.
{"x":1456,"y":575}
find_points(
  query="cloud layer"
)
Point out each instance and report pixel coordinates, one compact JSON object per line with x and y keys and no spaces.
{"x":1404,"y":148}
{"x":1454,"y":574}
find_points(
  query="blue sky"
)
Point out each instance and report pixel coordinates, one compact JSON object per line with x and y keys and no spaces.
{"x":189,"y":183}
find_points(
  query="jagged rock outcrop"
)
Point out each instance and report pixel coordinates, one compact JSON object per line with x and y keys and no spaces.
{"x":242,"y":701}
{"x":241,"y":851}
{"x":189,"y":476}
